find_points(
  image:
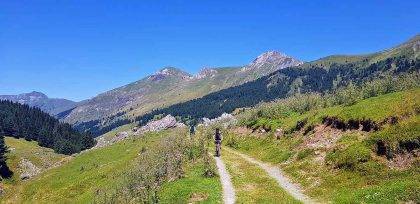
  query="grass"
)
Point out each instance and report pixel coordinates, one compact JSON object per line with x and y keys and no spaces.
{"x":84,"y":176}
{"x":405,"y":131}
{"x":40,"y":156}
{"x":376,"y":109}
{"x":352,"y":172}
{"x":111,"y":134}
{"x":43,"y":158}
{"x":194,"y":187}
{"x":79,"y":179}
{"x":252,"y":184}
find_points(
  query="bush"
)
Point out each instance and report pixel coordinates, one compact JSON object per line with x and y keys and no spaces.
{"x":154,"y":166}
{"x":371,"y":168}
{"x":304,"y":153}
{"x":209,"y":168}
{"x":349,"y":157}
{"x":232,"y":142}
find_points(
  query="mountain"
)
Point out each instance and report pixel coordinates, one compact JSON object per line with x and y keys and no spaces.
{"x":214,"y":91}
{"x":325,"y":74}
{"x":170,"y":86}
{"x":52,"y":106}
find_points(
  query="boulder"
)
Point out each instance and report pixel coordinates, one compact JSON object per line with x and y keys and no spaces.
{"x":225,"y":120}
{"x":28,"y":170}
{"x":279,"y":133}
{"x":165,"y":123}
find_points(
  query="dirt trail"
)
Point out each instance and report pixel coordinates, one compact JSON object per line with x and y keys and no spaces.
{"x":228,"y":190}
{"x":278,"y":175}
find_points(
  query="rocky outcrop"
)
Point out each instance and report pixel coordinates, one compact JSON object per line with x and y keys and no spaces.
{"x":273,"y":60}
{"x":28,"y":169}
{"x":169,"y":71}
{"x":205,"y":73}
{"x":165,"y":123}
{"x":153,"y":126}
{"x":225,"y":120}
{"x":103,"y":142}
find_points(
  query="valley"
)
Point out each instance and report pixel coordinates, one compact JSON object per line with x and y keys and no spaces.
{"x":341,"y":129}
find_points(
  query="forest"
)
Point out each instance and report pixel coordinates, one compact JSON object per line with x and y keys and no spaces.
{"x":21,"y":121}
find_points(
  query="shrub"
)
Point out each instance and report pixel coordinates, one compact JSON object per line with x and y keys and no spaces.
{"x":304,"y":153}
{"x":154,"y":166}
{"x":349,"y":157}
{"x":209,"y":168}
{"x":232,"y":142}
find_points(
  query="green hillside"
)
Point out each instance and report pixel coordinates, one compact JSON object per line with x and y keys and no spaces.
{"x":99,"y":174}
{"x":335,"y":161}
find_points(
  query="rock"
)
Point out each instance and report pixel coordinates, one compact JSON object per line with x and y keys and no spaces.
{"x":276,"y":59}
{"x":121,"y":134}
{"x":28,"y":169}
{"x":279,"y":133}
{"x":165,"y":123}
{"x":225,"y":120}
{"x":206,"y":72}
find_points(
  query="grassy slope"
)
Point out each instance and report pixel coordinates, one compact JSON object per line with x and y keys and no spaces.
{"x":375,"y":108}
{"x":193,"y":187}
{"x":41,"y":157}
{"x":79,"y":179}
{"x":124,"y":128}
{"x":368,"y":182}
{"x":252,"y":184}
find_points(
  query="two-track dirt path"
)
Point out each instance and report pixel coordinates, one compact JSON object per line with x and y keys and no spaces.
{"x":273,"y":172}
{"x":228,"y":190}
{"x":277,"y":174}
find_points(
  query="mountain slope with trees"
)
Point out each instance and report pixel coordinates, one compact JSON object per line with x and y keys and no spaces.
{"x":323,"y":75}
{"x":22,"y":121}
{"x":170,"y":86}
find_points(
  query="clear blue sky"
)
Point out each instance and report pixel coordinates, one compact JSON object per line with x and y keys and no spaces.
{"x":77,"y":49}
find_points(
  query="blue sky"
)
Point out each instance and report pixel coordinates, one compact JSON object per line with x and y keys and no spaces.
{"x":77,"y":49}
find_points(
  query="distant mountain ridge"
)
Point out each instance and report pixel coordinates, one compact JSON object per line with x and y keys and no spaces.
{"x":53,"y":106}
{"x":171,"y":85}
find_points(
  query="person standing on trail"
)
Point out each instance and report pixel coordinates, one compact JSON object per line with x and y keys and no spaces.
{"x":218,"y":141}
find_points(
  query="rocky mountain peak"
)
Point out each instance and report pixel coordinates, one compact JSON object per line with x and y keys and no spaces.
{"x":169,"y":71}
{"x":206,"y":72}
{"x":274,"y":59}
{"x":269,"y":56}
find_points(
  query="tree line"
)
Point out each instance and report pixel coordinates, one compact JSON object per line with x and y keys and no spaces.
{"x":21,"y":121}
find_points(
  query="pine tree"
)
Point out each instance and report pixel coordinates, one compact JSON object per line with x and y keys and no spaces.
{"x":4,"y":169}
